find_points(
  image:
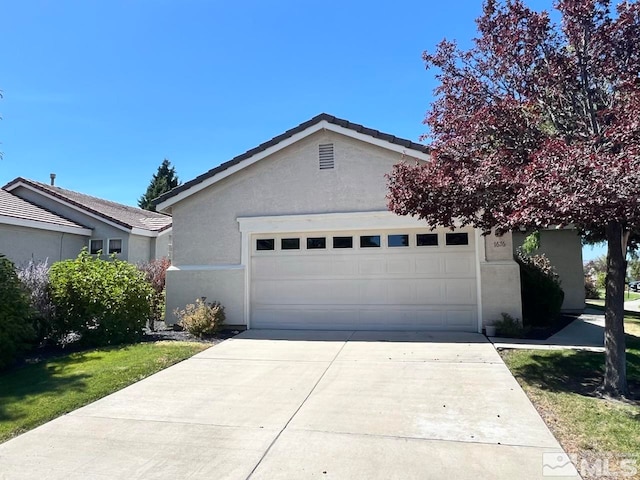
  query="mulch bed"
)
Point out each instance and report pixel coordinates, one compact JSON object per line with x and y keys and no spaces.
{"x":162,"y":333}
{"x":542,"y":333}
{"x":171,"y":333}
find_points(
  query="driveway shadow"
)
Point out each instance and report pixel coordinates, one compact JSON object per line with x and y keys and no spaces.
{"x":364,"y":336}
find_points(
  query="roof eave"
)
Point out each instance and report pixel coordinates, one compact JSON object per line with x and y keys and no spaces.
{"x":21,"y":182}
{"x":23,"y":222}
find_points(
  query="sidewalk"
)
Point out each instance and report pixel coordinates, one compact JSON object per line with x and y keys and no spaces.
{"x":585,"y":333}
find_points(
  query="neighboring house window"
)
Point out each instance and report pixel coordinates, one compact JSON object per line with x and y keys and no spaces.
{"x":96,"y":246}
{"x":115,"y":245}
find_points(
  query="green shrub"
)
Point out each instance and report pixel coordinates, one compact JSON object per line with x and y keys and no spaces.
{"x":105,"y":302}
{"x":15,"y":314}
{"x":601,"y":280}
{"x":542,"y":295}
{"x":509,"y":327}
{"x":202,"y":318}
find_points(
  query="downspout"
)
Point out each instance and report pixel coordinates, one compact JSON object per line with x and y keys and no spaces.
{"x":61,"y":243}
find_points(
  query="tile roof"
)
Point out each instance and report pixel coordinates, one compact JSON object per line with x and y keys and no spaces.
{"x":289,"y":133}
{"x":16,"y":207}
{"x":124,"y":215}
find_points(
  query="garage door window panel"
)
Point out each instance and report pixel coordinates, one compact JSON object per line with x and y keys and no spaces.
{"x":265,"y":244}
{"x":342,"y":242}
{"x":456,"y":239}
{"x":370,"y":241}
{"x":427,"y":239}
{"x":316,"y":243}
{"x":398,"y":241}
{"x":290,"y":244}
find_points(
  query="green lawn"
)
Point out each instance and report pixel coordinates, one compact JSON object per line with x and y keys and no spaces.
{"x":36,"y":393}
{"x":562,"y":384}
{"x":628,"y":296}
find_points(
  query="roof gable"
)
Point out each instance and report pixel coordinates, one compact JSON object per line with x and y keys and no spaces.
{"x":17,"y":211}
{"x":117,"y":214}
{"x":319,"y":122}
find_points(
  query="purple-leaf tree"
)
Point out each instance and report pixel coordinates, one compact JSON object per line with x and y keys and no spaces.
{"x":536,"y":125}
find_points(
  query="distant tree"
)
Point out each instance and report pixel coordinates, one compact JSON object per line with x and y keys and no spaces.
{"x":162,"y":181}
{"x":537,"y":125}
{"x":634,"y":269}
{"x":596,"y":266}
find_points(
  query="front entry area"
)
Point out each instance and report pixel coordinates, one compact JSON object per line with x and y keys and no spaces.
{"x":374,"y":279}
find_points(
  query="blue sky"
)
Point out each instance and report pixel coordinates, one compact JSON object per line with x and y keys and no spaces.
{"x":101,"y":92}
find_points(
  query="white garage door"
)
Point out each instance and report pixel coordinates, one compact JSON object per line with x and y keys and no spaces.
{"x":371,"y":280}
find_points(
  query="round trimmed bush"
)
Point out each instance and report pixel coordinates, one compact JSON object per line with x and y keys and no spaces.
{"x":104,"y":301}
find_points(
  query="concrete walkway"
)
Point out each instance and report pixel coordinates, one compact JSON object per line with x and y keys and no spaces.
{"x":295,"y":405}
{"x":585,"y":333}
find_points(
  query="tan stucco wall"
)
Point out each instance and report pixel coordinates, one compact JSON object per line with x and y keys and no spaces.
{"x":564,"y":250}
{"x":225,"y":286}
{"x":500,"y":279}
{"x":140,"y":249}
{"x":162,"y":244}
{"x":205,"y":229}
{"x":21,"y":244}
{"x":205,"y":226}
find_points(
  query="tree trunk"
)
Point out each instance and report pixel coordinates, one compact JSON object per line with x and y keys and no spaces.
{"x":615,"y":375}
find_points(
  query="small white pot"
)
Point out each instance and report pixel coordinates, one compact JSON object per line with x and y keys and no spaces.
{"x":490,"y":331}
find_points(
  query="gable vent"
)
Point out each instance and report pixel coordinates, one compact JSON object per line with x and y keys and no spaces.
{"x":325,"y":155}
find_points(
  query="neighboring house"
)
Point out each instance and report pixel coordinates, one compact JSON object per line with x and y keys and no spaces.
{"x":563,"y":248}
{"x":28,"y":231}
{"x":131,"y":233}
{"x":295,"y":233}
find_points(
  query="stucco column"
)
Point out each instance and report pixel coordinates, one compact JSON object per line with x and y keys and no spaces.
{"x":500,"y":277}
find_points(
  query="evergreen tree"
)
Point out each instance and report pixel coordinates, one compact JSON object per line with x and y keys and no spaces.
{"x":162,"y":181}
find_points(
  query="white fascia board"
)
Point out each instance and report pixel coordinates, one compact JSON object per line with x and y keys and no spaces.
{"x":328,"y":222}
{"x":323,"y":125}
{"x":149,"y":233}
{"x":142,"y":232}
{"x":21,"y":222}
{"x":70,"y":205}
{"x":376,"y":141}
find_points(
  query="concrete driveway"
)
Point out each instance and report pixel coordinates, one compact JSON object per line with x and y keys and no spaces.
{"x":293,"y":405}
